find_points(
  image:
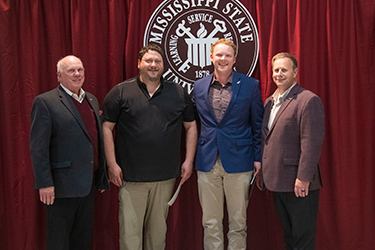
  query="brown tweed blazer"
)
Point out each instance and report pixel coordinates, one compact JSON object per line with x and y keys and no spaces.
{"x":292,"y":146}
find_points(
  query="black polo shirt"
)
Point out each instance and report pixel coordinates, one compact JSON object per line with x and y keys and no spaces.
{"x":148,"y":129}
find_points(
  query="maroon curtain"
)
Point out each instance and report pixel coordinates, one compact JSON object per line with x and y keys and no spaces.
{"x":333,"y":41}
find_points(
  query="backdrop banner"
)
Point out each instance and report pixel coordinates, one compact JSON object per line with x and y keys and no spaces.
{"x":333,"y":41}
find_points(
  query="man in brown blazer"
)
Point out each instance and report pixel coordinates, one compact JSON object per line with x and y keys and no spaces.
{"x":292,"y":138}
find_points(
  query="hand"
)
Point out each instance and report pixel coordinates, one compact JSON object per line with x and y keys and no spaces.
{"x":301,"y":188}
{"x":115,"y":175}
{"x":47,"y":195}
{"x":258,"y":178}
{"x":259,"y":181}
{"x":186,"y":171}
{"x":257,"y":166}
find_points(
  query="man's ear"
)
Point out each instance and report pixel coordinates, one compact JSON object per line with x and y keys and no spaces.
{"x":295,"y":71}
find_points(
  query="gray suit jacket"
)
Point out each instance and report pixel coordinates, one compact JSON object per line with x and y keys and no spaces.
{"x":292,"y":146}
{"x":61,"y":149}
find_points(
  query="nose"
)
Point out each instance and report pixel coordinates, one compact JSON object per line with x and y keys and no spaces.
{"x":77,"y":72}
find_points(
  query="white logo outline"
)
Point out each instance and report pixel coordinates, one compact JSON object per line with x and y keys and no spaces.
{"x":171,"y":42}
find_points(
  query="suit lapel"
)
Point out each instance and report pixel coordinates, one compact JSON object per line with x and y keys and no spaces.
{"x":90,"y":100}
{"x":236,"y":86}
{"x":94,"y":107}
{"x":68,"y":103}
{"x":290,"y":97}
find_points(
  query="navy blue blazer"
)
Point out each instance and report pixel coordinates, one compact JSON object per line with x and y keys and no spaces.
{"x":237,"y":137}
{"x":61,"y":148}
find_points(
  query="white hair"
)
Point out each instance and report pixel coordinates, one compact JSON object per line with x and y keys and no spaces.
{"x":60,"y":63}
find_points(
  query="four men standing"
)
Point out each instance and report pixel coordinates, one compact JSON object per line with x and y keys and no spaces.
{"x":148,"y":113}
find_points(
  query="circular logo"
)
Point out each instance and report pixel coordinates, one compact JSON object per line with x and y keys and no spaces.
{"x":185,"y":30}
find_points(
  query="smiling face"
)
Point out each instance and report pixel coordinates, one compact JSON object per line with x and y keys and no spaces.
{"x":71,"y":73}
{"x":283,"y":73}
{"x":223,"y":59}
{"x":150,"y":67}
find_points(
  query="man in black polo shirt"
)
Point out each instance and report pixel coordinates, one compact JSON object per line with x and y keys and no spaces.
{"x":149,"y":113}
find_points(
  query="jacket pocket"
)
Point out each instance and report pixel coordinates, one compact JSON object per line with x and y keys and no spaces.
{"x":61,"y":164}
{"x":245,"y":142}
{"x":244,"y":146}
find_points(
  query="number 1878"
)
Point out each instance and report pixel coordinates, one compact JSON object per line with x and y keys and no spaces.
{"x":201,"y":73}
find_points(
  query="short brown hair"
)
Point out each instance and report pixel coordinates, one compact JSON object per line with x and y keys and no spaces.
{"x":285,"y":55}
{"x":150,"y":46}
{"x":226,"y":42}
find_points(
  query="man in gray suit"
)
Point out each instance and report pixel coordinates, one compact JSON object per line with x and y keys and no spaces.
{"x":66,"y":144}
{"x":292,"y":138}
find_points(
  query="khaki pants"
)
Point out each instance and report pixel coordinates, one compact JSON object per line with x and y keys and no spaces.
{"x":143,"y":210}
{"x":213,"y":186}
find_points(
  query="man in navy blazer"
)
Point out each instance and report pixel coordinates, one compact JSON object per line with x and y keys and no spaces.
{"x":292,"y":137}
{"x":66,"y":144}
{"x":230,"y":108}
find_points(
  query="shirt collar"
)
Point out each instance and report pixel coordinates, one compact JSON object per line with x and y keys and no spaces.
{"x":229,"y":82}
{"x":278,"y":99}
{"x":143,"y":86}
{"x":79,"y":98}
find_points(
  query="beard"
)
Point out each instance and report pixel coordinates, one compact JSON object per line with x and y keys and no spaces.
{"x":154,"y":79}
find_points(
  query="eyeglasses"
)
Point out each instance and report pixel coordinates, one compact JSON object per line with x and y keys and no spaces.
{"x":73,"y":71}
{"x":150,"y":61}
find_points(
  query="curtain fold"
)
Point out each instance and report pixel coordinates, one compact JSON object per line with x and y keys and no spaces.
{"x":333,"y":41}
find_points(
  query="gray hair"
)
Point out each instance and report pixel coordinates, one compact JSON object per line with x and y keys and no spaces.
{"x":60,"y":63}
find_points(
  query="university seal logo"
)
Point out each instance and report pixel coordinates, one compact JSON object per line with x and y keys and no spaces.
{"x":185,"y":29}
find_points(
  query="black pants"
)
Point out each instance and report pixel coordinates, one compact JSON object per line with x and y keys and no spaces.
{"x":69,"y":223}
{"x":298,"y":218}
